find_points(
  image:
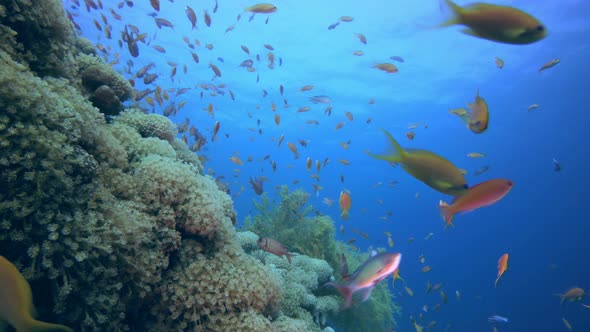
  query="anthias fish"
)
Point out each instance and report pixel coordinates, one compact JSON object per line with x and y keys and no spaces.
{"x":428,"y":167}
{"x":16,"y":302}
{"x":369,"y":274}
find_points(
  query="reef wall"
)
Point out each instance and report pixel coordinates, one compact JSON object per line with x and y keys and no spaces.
{"x":113,"y":223}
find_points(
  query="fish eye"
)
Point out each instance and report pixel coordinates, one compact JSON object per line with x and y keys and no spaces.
{"x":510,"y":183}
{"x":477,"y":123}
{"x":540,"y":28}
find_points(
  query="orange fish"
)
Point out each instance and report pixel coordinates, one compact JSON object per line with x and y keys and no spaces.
{"x":502,"y":267}
{"x":236,"y":160}
{"x":345,"y":202}
{"x":277,"y":119}
{"x":274,"y":247}
{"x":480,"y":195}
{"x":308,"y":163}
{"x":293,"y":149}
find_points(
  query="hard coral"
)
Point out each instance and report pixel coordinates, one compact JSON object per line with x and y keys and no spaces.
{"x":210,"y":291}
{"x":149,"y":125}
{"x":39,"y":35}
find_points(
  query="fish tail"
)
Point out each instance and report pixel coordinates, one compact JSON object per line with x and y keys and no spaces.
{"x":394,"y":156}
{"x":39,"y":326}
{"x":456,"y":13}
{"x":496,"y":282}
{"x":344,"y":215}
{"x":345,"y":291}
{"x":446,"y":213}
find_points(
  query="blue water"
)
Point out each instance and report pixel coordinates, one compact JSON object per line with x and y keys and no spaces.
{"x":542,"y":223}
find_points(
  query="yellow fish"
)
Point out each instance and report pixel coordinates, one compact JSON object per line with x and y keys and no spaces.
{"x":428,"y":167}
{"x":478,"y":122}
{"x":501,"y":24}
{"x":16,"y":302}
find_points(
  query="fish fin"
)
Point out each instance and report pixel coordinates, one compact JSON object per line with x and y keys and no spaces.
{"x":471,"y":32}
{"x":496,"y":282}
{"x":345,"y":291}
{"x":456,"y":13}
{"x":395,"y":155}
{"x":366,"y":293}
{"x":446,"y":213}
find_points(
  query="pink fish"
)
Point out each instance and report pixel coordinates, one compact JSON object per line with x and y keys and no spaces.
{"x":369,"y":274}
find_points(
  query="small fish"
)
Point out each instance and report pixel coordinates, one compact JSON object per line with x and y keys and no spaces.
{"x":502,"y":267}
{"x":257,"y":184}
{"x":236,"y":160}
{"x":17,"y":301}
{"x":262,"y":8}
{"x":481,"y":170}
{"x":320,"y":99}
{"x":480,"y":195}
{"x":499,"y":62}
{"x":366,"y":276}
{"x":345,"y":203}
{"x":293,"y":149}
{"x":532,"y":107}
{"x":358,"y":53}
{"x":476,"y":155}
{"x":501,"y":24}
{"x":458,"y":295}
{"x":361,"y":37}
{"x":346,"y":18}
{"x":306,"y":88}
{"x":274,"y":247}
{"x":397,"y":58}
{"x":549,"y":65}
{"x":567,"y":324}
{"x":426,"y":269}
{"x":333,"y":26}
{"x":573,"y":294}
{"x":478,"y":121}
{"x":207,"y":18}
{"x":192,"y":17}
{"x":386,"y":67}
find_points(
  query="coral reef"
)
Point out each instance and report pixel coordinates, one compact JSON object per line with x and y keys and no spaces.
{"x":287,"y":221}
{"x":299,"y":282}
{"x":114,"y":224}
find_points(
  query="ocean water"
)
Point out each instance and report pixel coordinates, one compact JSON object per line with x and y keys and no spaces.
{"x":542,"y":223}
